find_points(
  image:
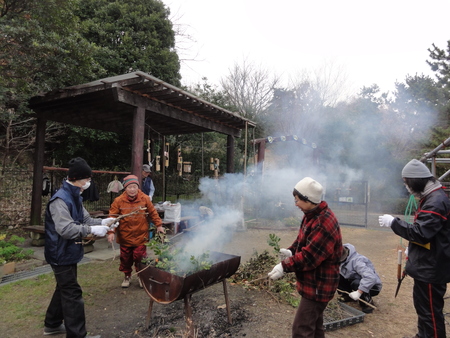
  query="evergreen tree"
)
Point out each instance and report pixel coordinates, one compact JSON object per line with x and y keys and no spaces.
{"x":131,"y":35}
{"x":40,"y":50}
{"x":440,"y":63}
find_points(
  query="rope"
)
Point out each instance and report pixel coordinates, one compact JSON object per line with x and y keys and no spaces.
{"x":411,"y":207}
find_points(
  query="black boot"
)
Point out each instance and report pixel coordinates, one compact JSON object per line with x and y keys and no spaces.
{"x":364,"y":307}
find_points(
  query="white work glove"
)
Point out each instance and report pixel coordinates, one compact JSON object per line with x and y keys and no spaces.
{"x":277,"y":272}
{"x":355,"y":295}
{"x":108,"y":221}
{"x":99,"y":230}
{"x":385,"y":220}
{"x":285,"y":253}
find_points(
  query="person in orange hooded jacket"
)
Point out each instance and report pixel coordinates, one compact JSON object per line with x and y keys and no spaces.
{"x":132,"y":233}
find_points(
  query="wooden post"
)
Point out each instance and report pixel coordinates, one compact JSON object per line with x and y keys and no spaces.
{"x":261,"y":153}
{"x":149,"y":313}
{"x":227,"y":301}
{"x":163,"y":167}
{"x":137,"y":156}
{"x":230,"y":154}
{"x":188,"y":314}
{"x":36,"y":195}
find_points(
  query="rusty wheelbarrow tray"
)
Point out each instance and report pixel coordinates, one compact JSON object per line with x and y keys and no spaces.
{"x":165,"y":288}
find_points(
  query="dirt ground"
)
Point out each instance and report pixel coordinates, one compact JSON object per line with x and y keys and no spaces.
{"x":122,"y":312}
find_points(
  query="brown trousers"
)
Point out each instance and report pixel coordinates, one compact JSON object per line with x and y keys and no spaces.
{"x":308,"y":321}
{"x":130,"y":255}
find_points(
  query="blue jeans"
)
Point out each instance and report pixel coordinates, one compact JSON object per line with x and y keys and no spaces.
{"x":67,"y":302}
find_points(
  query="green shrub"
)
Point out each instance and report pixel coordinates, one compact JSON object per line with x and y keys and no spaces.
{"x":10,"y":252}
{"x":291,"y":222}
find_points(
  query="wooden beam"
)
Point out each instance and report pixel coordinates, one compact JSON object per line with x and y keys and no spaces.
{"x":124,"y":96}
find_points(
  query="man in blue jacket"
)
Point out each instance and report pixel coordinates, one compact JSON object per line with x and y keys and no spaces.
{"x":148,"y":187}
{"x":66,"y":223}
{"x":358,"y":277}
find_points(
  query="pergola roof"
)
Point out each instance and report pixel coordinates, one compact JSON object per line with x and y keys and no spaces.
{"x":108,"y":104}
{"x":128,"y":104}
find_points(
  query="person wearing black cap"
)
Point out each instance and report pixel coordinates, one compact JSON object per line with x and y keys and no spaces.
{"x":428,"y":249}
{"x":314,"y":257}
{"x":66,"y":223}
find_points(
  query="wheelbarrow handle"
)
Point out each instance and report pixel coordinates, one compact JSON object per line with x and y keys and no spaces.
{"x":157,"y":281}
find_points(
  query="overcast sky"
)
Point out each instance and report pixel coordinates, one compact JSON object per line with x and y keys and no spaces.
{"x":371,"y":42}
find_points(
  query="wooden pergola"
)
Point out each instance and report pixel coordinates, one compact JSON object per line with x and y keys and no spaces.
{"x":126,"y":104}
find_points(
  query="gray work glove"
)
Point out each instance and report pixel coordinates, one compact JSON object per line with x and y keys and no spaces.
{"x":385,"y":220}
{"x":277,"y":272}
{"x":99,"y":230}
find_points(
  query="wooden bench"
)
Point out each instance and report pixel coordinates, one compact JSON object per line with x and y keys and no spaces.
{"x":37,"y":235}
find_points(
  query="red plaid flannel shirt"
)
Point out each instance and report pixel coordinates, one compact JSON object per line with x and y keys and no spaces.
{"x":316,"y":254}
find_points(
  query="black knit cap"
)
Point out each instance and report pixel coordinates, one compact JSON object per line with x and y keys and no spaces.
{"x":78,"y":169}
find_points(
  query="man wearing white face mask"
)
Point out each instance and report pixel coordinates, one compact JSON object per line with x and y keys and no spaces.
{"x":66,"y":223}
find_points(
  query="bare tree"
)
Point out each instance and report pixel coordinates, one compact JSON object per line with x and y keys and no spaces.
{"x":329,"y":80}
{"x":249,"y":88}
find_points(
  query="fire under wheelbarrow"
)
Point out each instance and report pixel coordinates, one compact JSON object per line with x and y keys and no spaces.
{"x":164,"y":288}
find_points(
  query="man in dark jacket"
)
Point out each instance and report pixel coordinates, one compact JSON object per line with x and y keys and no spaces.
{"x":66,"y":223}
{"x":429,"y":247}
{"x":314,"y":257}
{"x":148,"y":187}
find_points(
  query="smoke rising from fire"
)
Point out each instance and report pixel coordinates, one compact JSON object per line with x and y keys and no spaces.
{"x":354,"y":142}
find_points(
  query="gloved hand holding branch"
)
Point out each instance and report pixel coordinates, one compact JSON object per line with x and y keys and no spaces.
{"x":277,"y":272}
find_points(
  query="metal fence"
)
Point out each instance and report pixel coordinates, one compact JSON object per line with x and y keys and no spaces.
{"x":15,"y":197}
{"x":16,"y":188}
{"x":349,"y":202}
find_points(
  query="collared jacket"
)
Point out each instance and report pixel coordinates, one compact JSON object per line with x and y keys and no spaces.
{"x":429,"y":239}
{"x":315,"y":254}
{"x":66,"y":223}
{"x":148,"y":187}
{"x":133,"y":230}
{"x":357,"y":266}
